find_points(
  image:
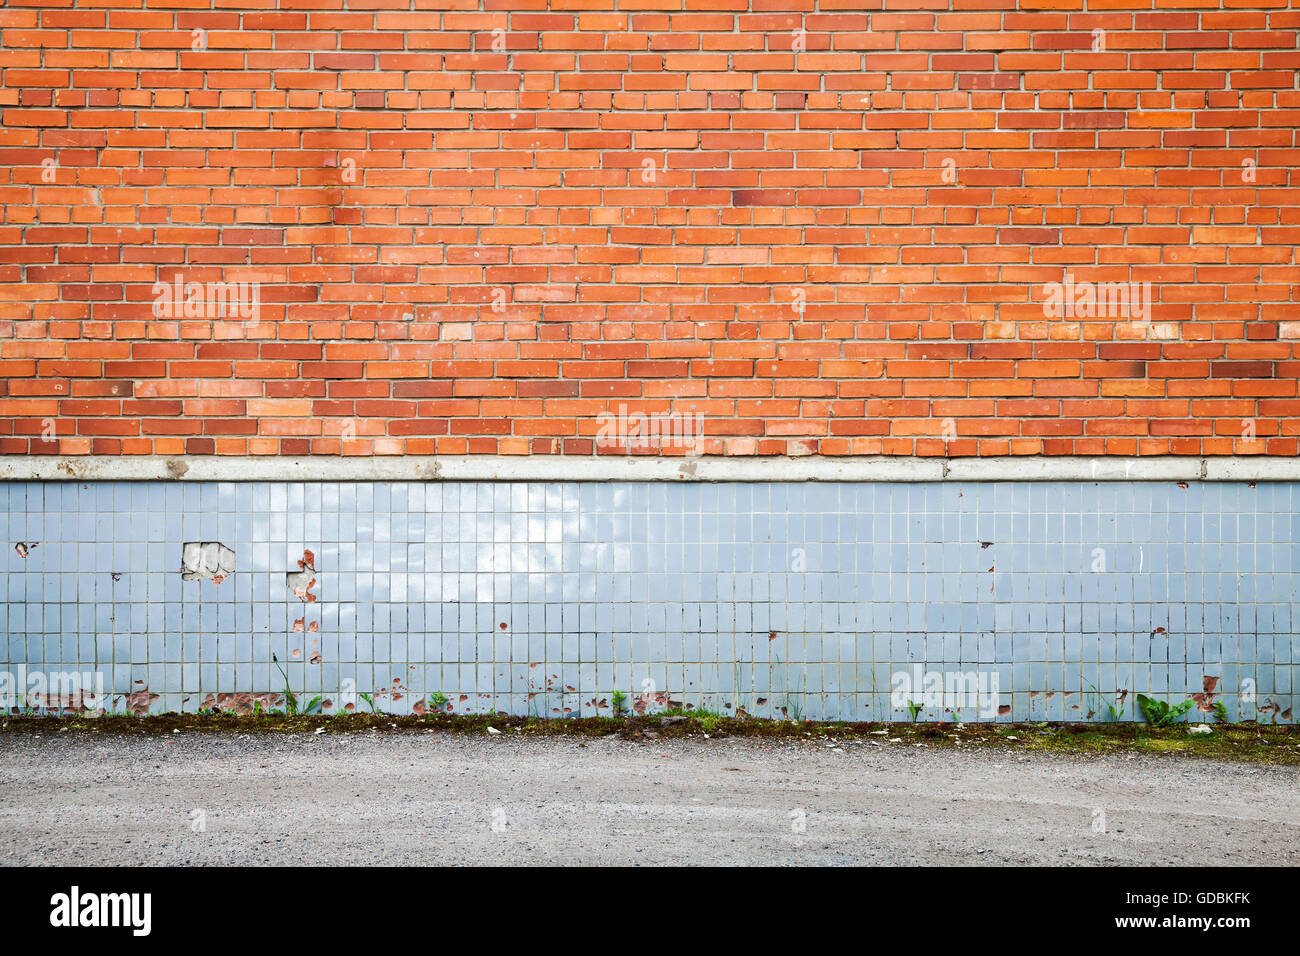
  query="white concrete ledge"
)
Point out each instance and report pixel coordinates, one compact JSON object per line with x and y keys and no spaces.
{"x":569,"y":468}
{"x":1076,"y":469}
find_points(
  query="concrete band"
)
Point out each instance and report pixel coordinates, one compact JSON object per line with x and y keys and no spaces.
{"x":648,"y":468}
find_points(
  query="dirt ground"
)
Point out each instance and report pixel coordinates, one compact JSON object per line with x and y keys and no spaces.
{"x":428,"y":797}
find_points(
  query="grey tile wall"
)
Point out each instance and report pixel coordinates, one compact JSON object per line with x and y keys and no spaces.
{"x":808,"y":599}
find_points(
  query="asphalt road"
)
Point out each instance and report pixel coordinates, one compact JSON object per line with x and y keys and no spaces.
{"x":431,"y":799}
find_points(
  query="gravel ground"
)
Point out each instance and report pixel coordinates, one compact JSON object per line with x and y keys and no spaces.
{"x":425,"y":798}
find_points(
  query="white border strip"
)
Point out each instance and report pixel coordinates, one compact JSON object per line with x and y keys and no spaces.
{"x":569,"y":468}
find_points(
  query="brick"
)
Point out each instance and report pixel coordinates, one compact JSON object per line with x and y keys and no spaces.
{"x":828,"y":251}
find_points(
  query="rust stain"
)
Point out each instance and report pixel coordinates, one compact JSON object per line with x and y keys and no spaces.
{"x":23,"y":548}
{"x":315,"y":657}
{"x":1006,"y":708}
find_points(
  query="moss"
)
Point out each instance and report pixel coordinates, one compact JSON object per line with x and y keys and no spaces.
{"x":1257,"y":743}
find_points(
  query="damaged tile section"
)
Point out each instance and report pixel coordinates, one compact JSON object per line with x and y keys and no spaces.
{"x":23,"y":548}
{"x":645,"y":701}
{"x":139,"y":701}
{"x":301,"y":581}
{"x":206,"y":559}
{"x":1209,"y":690}
{"x":243,"y":703}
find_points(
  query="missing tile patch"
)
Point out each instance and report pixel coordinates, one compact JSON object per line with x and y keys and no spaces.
{"x":301,"y":581}
{"x":206,"y":559}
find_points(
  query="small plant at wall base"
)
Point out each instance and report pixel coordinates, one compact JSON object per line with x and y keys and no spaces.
{"x":1117,"y":715}
{"x":439,"y":701}
{"x":290,"y":698}
{"x":290,"y":701}
{"x":619,"y":702}
{"x":1160,"y":713}
{"x":913,"y":708}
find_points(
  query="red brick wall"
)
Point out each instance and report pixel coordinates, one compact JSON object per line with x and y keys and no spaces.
{"x":655,"y":187}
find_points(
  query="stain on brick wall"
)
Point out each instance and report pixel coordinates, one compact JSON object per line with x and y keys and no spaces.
{"x":909,"y":228}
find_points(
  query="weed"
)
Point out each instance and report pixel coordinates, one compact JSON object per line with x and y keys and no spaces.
{"x":438,"y":701}
{"x":913,"y":708}
{"x":619,"y":702}
{"x":1161,"y":713}
{"x":792,"y":709}
{"x":371,"y":701}
{"x":1220,"y":712}
{"x":1111,"y":713}
{"x":290,"y":699}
